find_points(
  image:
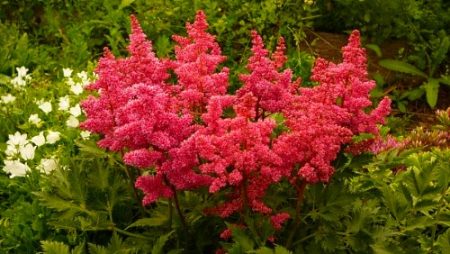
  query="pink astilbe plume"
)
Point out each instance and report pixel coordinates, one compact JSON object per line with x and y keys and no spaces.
{"x":323,"y":118}
{"x":116,"y":77}
{"x":197,"y":58}
{"x":138,"y":113}
{"x":236,"y":151}
{"x":237,"y":154}
{"x":271,"y":88}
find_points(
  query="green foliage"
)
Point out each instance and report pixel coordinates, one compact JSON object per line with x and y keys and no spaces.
{"x":72,"y":33}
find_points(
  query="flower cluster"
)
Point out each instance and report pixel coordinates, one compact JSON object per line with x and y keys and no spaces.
{"x":191,"y":133}
{"x":141,"y":114}
{"x":20,"y":151}
{"x":323,"y":118}
{"x":35,"y":145}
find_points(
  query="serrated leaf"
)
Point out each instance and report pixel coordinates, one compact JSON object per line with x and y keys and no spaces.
{"x":53,"y":247}
{"x":159,"y":244}
{"x":400,"y":66}
{"x":380,"y":248}
{"x":92,"y":149}
{"x":418,"y":223}
{"x":443,"y":219}
{"x":97,"y":249}
{"x":444,"y":242}
{"x":79,"y":249}
{"x":241,"y":238}
{"x":149,"y":222}
{"x":432,"y":91}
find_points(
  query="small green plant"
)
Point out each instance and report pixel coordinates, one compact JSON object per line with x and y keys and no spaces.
{"x":430,"y":86}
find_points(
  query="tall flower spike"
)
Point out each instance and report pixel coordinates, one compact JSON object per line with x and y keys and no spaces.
{"x":139,"y":45}
{"x":197,"y":58}
{"x":279,"y":58}
{"x":271,"y":88}
{"x":135,"y":113}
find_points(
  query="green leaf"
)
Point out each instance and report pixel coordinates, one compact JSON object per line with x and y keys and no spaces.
{"x":92,"y":149}
{"x":79,"y":249}
{"x":380,"y":248}
{"x":159,"y":244}
{"x":441,"y":53}
{"x":444,"y":242}
{"x":362,"y":137}
{"x":401,"y":106}
{"x":4,"y":79}
{"x":125,"y":3}
{"x":432,"y":90}
{"x":375,"y":49}
{"x":401,"y":66}
{"x":379,"y":79}
{"x":97,"y":249}
{"x":53,"y":247}
{"x":241,"y":238}
{"x":263,"y":250}
{"x":281,"y":250}
{"x":413,"y":94}
{"x":445,"y":79}
{"x":443,"y":219}
{"x":149,"y":222}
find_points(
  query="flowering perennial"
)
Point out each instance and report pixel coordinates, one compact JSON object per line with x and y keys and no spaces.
{"x":191,"y":133}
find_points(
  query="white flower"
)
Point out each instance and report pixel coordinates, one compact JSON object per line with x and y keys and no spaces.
{"x":27,"y":151}
{"x":15,"y":168}
{"x":18,"y":82}
{"x":70,"y":82}
{"x":76,"y":88}
{"x":47,"y":165}
{"x":64,"y":103}
{"x":72,"y":122}
{"x":8,"y":98}
{"x":17,"y":139}
{"x":84,"y":78}
{"x":45,"y":106}
{"x":53,"y":137}
{"x":85,"y":134}
{"x":22,"y":71}
{"x":75,"y":110}
{"x":11,"y":150}
{"x":39,"y":139}
{"x":67,"y":72}
{"x":34,"y":119}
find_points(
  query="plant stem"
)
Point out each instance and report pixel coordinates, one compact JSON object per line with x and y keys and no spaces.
{"x":170,"y":213}
{"x":298,"y":207}
{"x":177,"y":206}
{"x":124,"y":232}
{"x":135,"y":193}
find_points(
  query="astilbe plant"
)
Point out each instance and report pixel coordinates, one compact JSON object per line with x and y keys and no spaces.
{"x":193,"y":134}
